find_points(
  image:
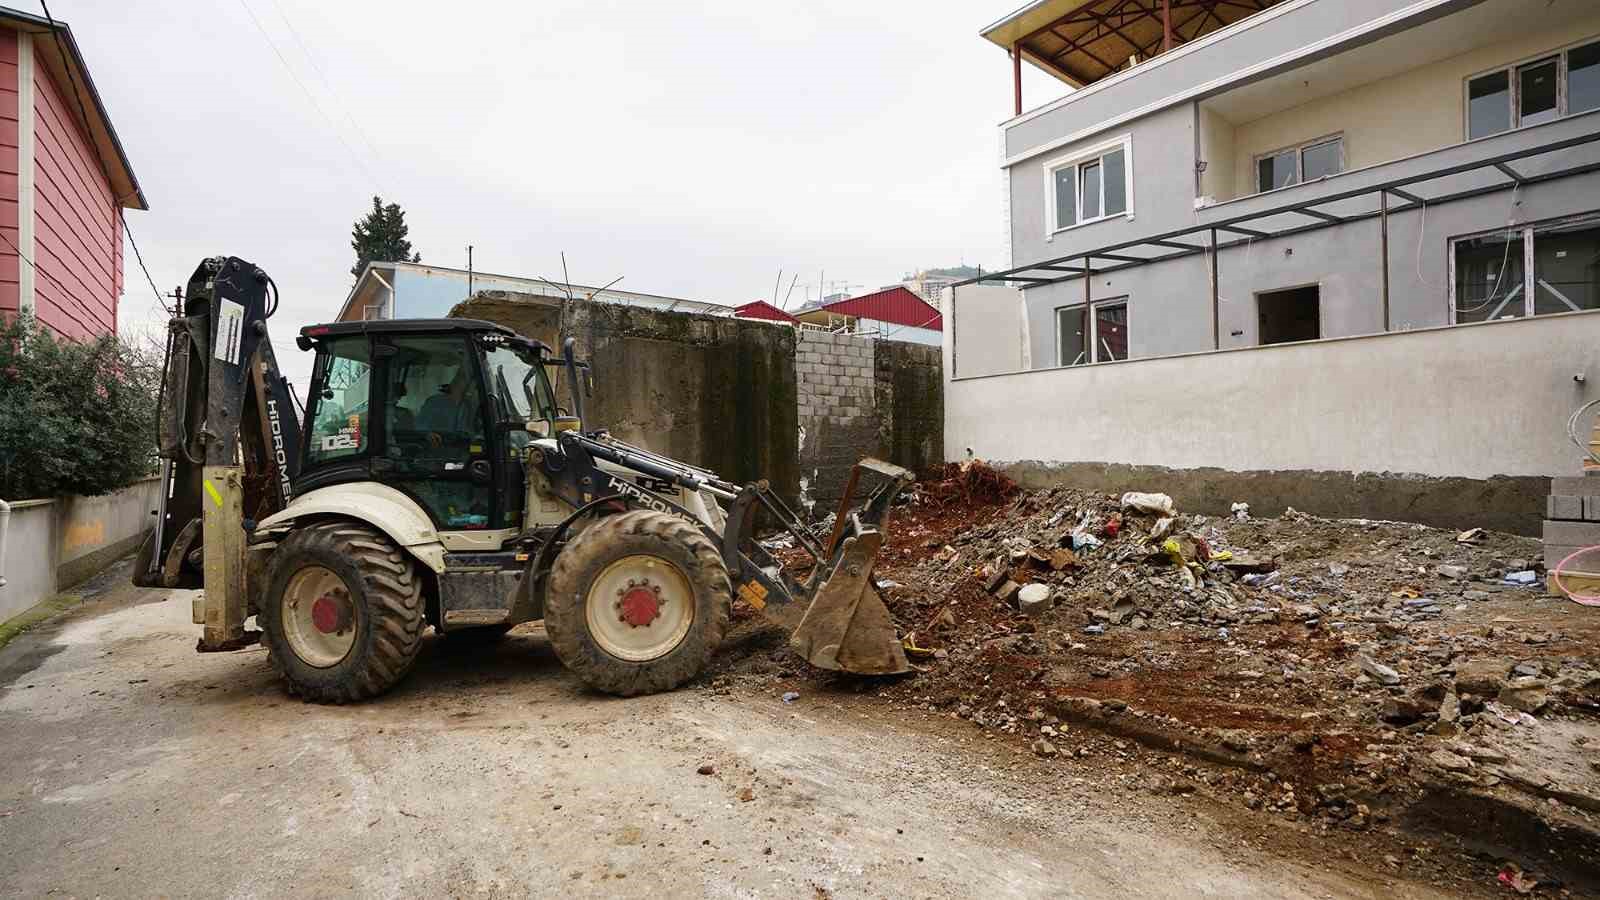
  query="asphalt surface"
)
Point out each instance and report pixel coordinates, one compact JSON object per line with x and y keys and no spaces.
{"x":132,"y":766}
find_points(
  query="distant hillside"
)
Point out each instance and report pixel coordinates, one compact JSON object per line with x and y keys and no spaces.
{"x":958,"y":271}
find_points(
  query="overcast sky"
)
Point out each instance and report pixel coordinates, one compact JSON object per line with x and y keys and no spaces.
{"x":695,"y":149}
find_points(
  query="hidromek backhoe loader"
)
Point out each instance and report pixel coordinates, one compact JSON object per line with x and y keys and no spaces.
{"x":435,"y":481}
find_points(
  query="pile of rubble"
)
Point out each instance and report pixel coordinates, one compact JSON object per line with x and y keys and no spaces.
{"x":1326,"y":667}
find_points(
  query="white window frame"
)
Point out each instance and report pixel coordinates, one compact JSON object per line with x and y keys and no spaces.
{"x":1076,"y":160}
{"x":1299,"y":160}
{"x":1526,"y":232}
{"x":1094,"y":330}
{"x":1514,"y":87}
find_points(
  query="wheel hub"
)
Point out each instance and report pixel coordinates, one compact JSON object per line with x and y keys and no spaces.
{"x":640,"y":606}
{"x":330,"y":614}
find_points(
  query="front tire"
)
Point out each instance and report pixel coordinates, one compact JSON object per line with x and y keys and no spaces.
{"x":343,"y":612}
{"x":637,"y":603}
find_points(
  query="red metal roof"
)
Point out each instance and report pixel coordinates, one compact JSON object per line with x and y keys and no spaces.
{"x":897,"y":305}
{"x":761,"y":309}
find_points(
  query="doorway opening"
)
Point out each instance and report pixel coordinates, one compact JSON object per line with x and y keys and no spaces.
{"x":1290,"y":315}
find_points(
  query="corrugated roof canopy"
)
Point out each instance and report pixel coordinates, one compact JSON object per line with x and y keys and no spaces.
{"x":1083,"y":41}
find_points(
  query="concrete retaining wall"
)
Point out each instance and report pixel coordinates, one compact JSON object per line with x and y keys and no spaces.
{"x":1451,"y":426}
{"x":745,"y":398}
{"x":52,"y":545}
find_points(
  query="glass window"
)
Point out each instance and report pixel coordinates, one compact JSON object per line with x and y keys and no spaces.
{"x":1066,"y":196}
{"x":1489,"y":282}
{"x":1069,"y":336}
{"x":1091,"y":191}
{"x":1536,"y":90}
{"x":519,"y":387}
{"x":1116,"y":180}
{"x":1111,"y":331}
{"x":1566,"y":269}
{"x":339,"y":413}
{"x":1488,"y":105}
{"x":1276,"y":171}
{"x":1322,"y":160}
{"x":1583,"y":78}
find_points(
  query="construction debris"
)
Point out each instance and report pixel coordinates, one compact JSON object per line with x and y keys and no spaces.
{"x":1324,"y":660}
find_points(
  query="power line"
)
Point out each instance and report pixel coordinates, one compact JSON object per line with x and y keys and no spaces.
{"x":88,"y":135}
{"x":316,"y":67}
{"x":310,"y":96}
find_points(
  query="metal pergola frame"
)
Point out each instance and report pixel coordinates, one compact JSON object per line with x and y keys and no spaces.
{"x":1081,"y":265}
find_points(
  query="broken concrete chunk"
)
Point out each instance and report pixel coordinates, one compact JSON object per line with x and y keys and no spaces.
{"x":1449,"y":762}
{"x":1379,"y":672}
{"x":1044,"y":748}
{"x":1034,"y":598}
{"x":1008,"y":590}
{"x":1338,"y":570}
{"x":1450,"y":708}
{"x":1454,"y":573}
{"x":1526,"y":694}
{"x":1483,"y":677}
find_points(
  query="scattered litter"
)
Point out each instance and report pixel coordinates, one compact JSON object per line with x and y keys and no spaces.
{"x":1158,"y":504}
{"x":1512,"y":876}
{"x":791,"y":696}
{"x":1525,"y":577}
{"x":1241,"y":511}
{"x":1257,"y":579}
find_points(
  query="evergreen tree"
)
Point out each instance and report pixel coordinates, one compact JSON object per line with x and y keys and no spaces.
{"x":380,"y":236}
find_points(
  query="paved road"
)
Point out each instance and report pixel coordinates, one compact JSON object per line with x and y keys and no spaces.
{"x":131,"y":766}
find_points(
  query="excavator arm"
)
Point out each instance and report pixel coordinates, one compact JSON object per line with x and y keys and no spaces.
{"x":229,"y":444}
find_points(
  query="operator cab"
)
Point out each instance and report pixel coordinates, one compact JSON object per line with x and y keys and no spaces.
{"x":440,"y":409}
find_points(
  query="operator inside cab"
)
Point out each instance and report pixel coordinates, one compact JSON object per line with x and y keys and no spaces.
{"x":448,"y":414}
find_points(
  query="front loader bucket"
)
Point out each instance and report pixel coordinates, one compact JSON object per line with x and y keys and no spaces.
{"x":847,"y":628}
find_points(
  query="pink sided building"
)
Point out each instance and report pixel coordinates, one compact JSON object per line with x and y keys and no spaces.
{"x":64,"y":180}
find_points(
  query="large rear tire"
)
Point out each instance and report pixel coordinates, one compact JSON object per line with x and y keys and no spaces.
{"x":343,"y":613}
{"x":637,"y":603}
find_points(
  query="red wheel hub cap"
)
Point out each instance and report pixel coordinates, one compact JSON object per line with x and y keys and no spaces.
{"x":328,"y":614}
{"x":640,"y":606}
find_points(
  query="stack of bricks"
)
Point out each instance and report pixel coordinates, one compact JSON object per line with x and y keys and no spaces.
{"x":1572,"y":523}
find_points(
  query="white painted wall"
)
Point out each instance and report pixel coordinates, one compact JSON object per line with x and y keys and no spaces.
{"x":46,"y":536}
{"x":1472,"y":401}
{"x":1392,"y":118}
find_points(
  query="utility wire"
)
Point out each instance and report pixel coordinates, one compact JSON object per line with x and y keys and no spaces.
{"x":312,"y":97}
{"x":88,"y":135}
{"x":58,"y":282}
{"x":305,"y":49}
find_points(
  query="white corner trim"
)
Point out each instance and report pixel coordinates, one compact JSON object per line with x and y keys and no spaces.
{"x":27,"y":243}
{"x":1238,"y":76}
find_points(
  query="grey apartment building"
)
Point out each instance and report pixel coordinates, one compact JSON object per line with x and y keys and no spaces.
{"x":1287,"y":243}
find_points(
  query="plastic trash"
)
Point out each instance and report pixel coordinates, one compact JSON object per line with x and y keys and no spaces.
{"x":1259,"y":580}
{"x":1525,"y":577}
{"x":1159,"y":504}
{"x":791,"y":696}
{"x":1241,"y":511}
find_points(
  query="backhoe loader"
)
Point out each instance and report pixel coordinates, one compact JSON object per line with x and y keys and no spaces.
{"x":434,"y":481}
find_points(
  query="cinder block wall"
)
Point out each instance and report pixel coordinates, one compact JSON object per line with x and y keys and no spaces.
{"x":859,"y":397}
{"x":835,"y":379}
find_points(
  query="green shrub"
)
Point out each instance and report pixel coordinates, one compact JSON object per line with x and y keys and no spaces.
{"x":76,"y":417}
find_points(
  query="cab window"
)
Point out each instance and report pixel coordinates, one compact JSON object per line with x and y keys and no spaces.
{"x":518,"y":385}
{"x":339,"y":411}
